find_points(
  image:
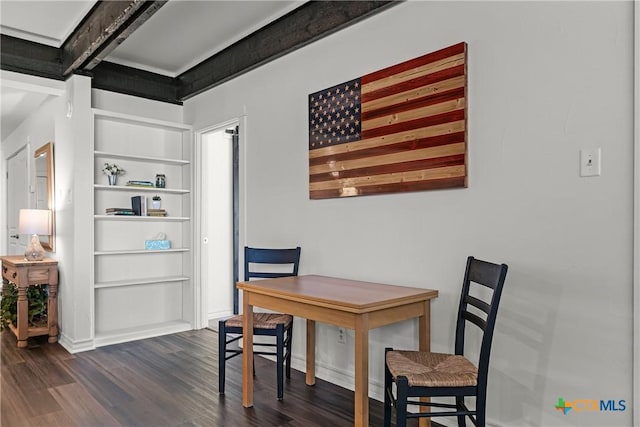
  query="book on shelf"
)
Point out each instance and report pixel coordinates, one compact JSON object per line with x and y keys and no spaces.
{"x":139,"y":205}
{"x":136,"y":183}
{"x":156,"y":212}
{"x":119,"y":211}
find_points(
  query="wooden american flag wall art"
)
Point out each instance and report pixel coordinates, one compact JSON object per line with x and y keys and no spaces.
{"x":403,"y":128}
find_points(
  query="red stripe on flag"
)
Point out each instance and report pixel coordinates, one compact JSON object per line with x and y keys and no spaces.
{"x":415,"y":103}
{"x":437,"y":119}
{"x":414,"y":144}
{"x":413,"y":165}
{"x":418,"y":82}
{"x":414,"y":63}
{"x":434,"y":184}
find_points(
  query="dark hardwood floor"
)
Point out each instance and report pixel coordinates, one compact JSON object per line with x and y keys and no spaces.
{"x":164,"y":381}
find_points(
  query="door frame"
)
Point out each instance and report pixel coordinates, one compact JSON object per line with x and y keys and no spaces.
{"x":200,"y":288}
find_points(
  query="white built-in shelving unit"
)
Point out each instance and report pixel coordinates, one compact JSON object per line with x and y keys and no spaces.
{"x":141,"y":293}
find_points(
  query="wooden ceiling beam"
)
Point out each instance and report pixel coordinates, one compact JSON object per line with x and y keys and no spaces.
{"x":300,"y":27}
{"x":27,"y":57}
{"x":105,"y":27}
{"x":132,"y":81}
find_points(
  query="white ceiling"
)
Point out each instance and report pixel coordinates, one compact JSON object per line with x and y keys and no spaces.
{"x":17,"y":104}
{"x":46,"y":22}
{"x":178,"y":36}
{"x":184,"y":33}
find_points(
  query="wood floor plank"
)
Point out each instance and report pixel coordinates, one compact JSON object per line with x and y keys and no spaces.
{"x":82,"y":408}
{"x":97,"y":382}
{"x":54,"y":419}
{"x":24,"y":388}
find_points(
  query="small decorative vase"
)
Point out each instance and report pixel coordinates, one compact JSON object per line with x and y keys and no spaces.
{"x":112,"y":179}
{"x":156,"y":204}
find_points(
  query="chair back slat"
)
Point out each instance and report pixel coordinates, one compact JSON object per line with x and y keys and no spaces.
{"x":485,"y":273}
{"x":476,"y":320}
{"x":478,"y":303}
{"x":258,"y":260}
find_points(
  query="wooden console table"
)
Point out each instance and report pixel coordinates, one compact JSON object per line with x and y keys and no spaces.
{"x":23,"y":273}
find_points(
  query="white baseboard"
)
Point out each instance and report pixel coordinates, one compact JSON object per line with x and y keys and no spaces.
{"x":339,"y":377}
{"x":213,"y":315}
{"x":76,"y":346}
{"x":139,"y":333}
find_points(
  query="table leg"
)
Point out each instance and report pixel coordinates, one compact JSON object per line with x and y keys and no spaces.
{"x":361,"y":394}
{"x":247,"y":352}
{"x":424,"y":343}
{"x":311,"y":352}
{"x":22,"y":317}
{"x":52,"y":313}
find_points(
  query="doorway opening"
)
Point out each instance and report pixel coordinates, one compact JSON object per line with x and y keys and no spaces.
{"x":18,"y":181}
{"x":219,"y":221}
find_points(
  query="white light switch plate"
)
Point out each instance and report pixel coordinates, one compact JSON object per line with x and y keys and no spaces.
{"x":590,"y":163}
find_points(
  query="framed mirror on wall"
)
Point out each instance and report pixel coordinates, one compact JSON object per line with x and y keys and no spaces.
{"x":45,"y":189}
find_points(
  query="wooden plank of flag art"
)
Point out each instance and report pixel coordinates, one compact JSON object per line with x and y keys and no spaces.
{"x":399,"y":129}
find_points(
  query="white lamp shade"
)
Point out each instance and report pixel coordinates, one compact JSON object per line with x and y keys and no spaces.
{"x":34,"y":221}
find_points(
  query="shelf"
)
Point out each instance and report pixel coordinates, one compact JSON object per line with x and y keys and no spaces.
{"x":141,"y":251}
{"x":104,"y":154}
{"x":125,"y":306}
{"x":140,"y":218}
{"x":133,"y":282}
{"x":139,"y":120}
{"x":137,"y":333}
{"x":136,"y":188}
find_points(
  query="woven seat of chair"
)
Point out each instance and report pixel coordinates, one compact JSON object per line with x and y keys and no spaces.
{"x":262,"y":320}
{"x":424,"y":369}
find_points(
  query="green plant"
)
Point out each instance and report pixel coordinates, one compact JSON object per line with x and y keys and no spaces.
{"x":37,"y":312}
{"x":156,"y":198}
{"x":112,"y":169}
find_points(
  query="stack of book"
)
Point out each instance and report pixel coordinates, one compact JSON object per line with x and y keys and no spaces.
{"x":119,"y":211}
{"x":135,"y":183}
{"x":138,"y":208}
{"x":156,"y":212}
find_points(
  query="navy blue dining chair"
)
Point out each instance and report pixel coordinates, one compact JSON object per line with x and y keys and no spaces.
{"x":262,"y":263}
{"x":425,"y":374}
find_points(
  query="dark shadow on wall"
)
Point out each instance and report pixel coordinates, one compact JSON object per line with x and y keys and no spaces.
{"x":521,"y":348}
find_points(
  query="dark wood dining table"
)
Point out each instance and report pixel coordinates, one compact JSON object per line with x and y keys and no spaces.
{"x":352,"y":304}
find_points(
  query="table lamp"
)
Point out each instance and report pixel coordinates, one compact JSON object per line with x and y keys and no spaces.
{"x":34,"y":222}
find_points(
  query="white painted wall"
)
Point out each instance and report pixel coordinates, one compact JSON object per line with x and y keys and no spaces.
{"x":74,"y":214}
{"x":545,"y":80}
{"x":127,"y":104}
